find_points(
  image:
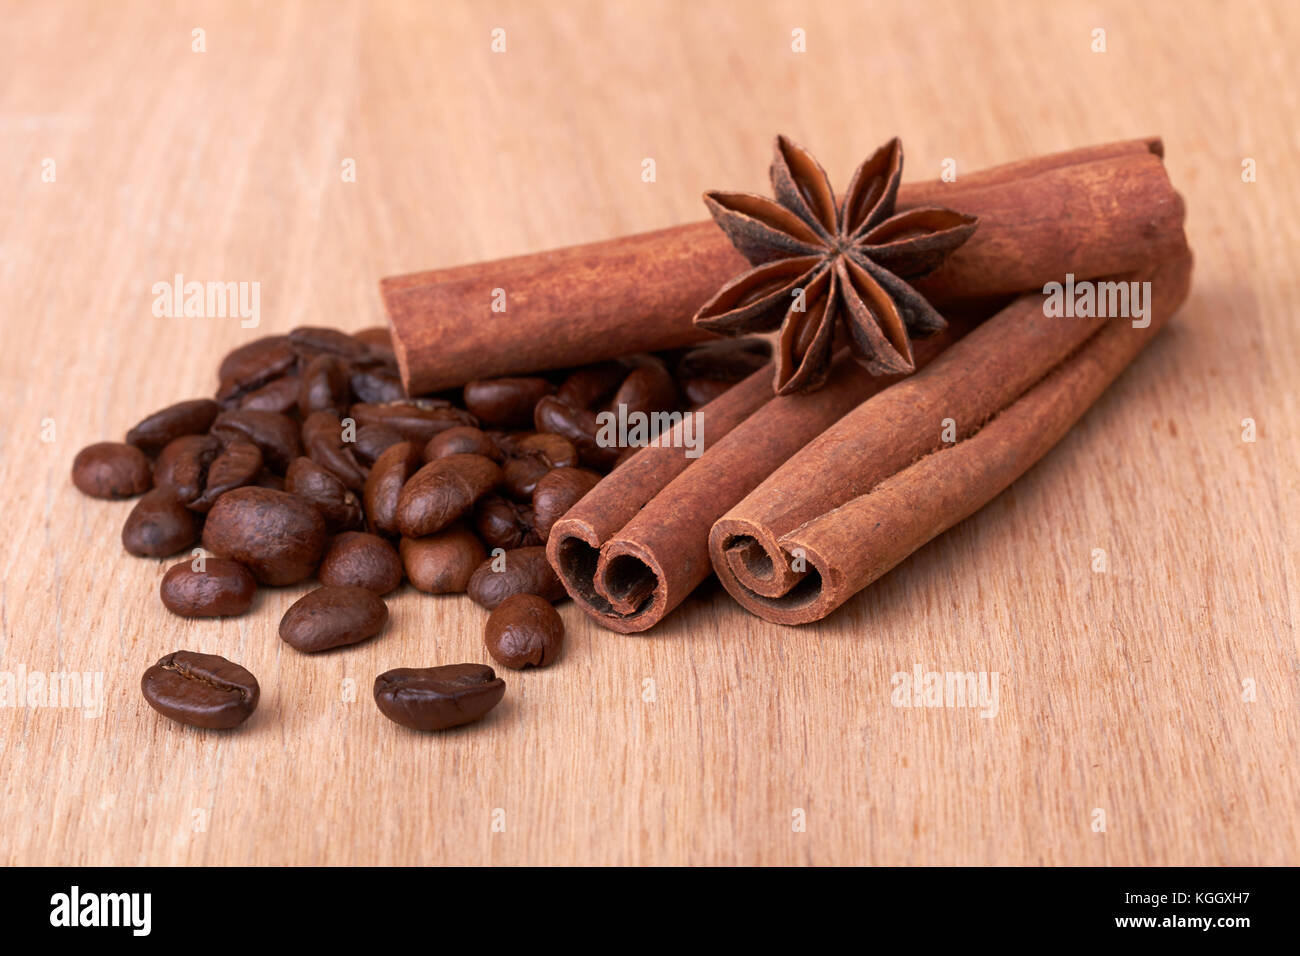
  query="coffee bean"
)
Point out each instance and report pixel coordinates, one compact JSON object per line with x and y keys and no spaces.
{"x":184,"y":418}
{"x":648,"y":388}
{"x":202,"y":690}
{"x":333,"y":617}
{"x":276,"y":435}
{"x":376,"y":386}
{"x":310,"y":341}
{"x":532,"y":456}
{"x":436,"y":698}
{"x":183,"y":465}
{"x":463,"y":440}
{"x":522,"y":571}
{"x":709,"y":370}
{"x":322,"y":438}
{"x":524,"y":631}
{"x":159,"y":526}
{"x":337,"y":504}
{"x":417,"y":420}
{"x":238,"y":464}
{"x":443,"y":491}
{"x":385,"y":482}
{"x":358,"y":559}
{"x":372,"y":441}
{"x":222,"y":589}
{"x":592,"y":385}
{"x":503,"y":523}
{"x":578,"y":425}
{"x":111,"y":469}
{"x":556,"y":492}
{"x":323,"y":386}
{"x":505,"y":402}
{"x":442,"y":563}
{"x":276,"y":535}
{"x":379,"y":341}
{"x":280,"y":395}
{"x":251,"y":366}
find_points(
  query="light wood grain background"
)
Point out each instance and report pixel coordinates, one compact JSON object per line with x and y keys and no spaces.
{"x":1119,"y":691}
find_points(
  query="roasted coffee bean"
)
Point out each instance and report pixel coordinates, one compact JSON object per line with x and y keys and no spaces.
{"x":592,"y":385}
{"x":183,"y":465}
{"x":372,"y":441}
{"x":276,"y":435}
{"x":251,"y":366}
{"x":385,"y":482}
{"x":310,"y":341}
{"x":442,"y":563}
{"x":361,"y":560}
{"x":379,"y":341}
{"x":159,"y":525}
{"x":280,"y":395}
{"x":337,"y":504}
{"x":556,"y":492}
{"x":202,"y":690}
{"x":463,"y":440}
{"x":578,"y":425}
{"x":323,"y":386}
{"x":524,"y":631}
{"x":278,"y":536}
{"x":522,"y":571}
{"x":531,"y":457}
{"x":503,"y":523}
{"x":436,"y":698}
{"x":648,"y":388}
{"x":709,"y":370}
{"x":237,"y":464}
{"x":222,"y":589}
{"x":333,"y":617}
{"x":184,"y":418}
{"x":417,"y":419}
{"x":322,"y":439}
{"x":111,"y":469}
{"x":376,"y":385}
{"x":505,"y":402}
{"x":442,"y":491}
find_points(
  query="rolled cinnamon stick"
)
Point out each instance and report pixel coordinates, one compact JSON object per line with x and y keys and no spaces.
{"x":886,"y":483}
{"x":1090,"y":211}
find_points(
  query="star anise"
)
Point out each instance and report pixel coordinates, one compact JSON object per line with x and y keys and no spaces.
{"x":819,"y":265}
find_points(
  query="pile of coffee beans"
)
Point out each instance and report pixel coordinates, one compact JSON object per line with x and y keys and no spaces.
{"x":312,"y":461}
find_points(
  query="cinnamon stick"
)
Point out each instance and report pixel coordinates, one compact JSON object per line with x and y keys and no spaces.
{"x":797,"y":548}
{"x":1090,"y":211}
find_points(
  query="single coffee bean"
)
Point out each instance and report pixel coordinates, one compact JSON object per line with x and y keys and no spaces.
{"x":505,"y":402}
{"x":358,"y":559}
{"x":323,"y":440}
{"x":417,"y":419}
{"x":648,"y":388}
{"x":310,"y":341}
{"x":332,"y":617}
{"x":556,"y":492}
{"x":276,"y":435}
{"x":159,"y":526}
{"x":592,"y":385}
{"x":379,"y":341}
{"x":463,"y":440}
{"x":376,"y":386}
{"x":251,"y":366}
{"x":276,"y":535}
{"x":183,"y":465}
{"x":337,"y":504}
{"x":222,"y":589}
{"x":436,"y":698}
{"x":709,"y":370}
{"x":532,"y":456}
{"x":385,"y":482}
{"x":238,"y":464}
{"x":442,"y":491}
{"x":372,"y":441}
{"x":578,"y":425}
{"x":184,"y":418}
{"x":524,"y":631}
{"x":280,"y":395}
{"x":503,"y":523}
{"x":323,"y":386}
{"x":202,"y":690}
{"x":442,"y":563}
{"x":522,"y":571}
{"x":111,"y":469}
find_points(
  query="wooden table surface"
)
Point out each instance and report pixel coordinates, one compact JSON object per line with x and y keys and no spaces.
{"x":1148,"y":713}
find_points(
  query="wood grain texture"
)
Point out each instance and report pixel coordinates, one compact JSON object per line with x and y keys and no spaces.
{"x":1119,"y":691}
